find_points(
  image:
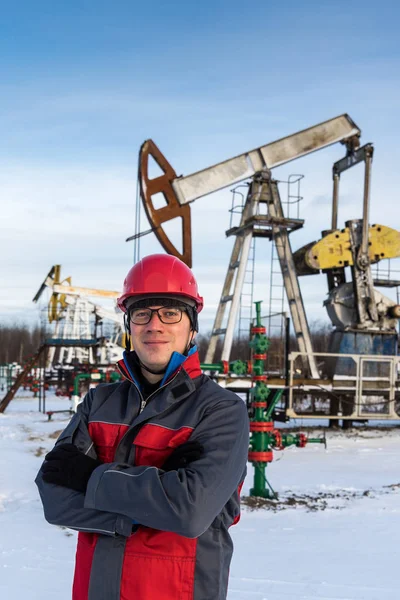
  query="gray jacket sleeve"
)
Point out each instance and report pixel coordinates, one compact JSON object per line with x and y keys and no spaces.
{"x":185,"y":501}
{"x":65,"y":507}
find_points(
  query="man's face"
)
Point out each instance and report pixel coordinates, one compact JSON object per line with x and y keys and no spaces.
{"x":155,"y":342}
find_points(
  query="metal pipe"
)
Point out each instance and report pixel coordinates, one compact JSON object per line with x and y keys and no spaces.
{"x":335,"y":201}
{"x":218,"y":367}
{"x":287,"y":361}
{"x":77,"y":380}
{"x":43,"y":371}
{"x":367,"y":182}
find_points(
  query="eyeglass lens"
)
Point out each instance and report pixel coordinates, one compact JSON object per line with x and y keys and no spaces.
{"x":142,"y":316}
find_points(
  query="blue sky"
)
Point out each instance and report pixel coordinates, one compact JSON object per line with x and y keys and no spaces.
{"x":83,"y":84}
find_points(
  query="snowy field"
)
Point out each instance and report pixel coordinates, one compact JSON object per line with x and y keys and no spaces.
{"x":334,"y":534}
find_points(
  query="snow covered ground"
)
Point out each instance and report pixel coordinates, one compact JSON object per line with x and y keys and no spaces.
{"x":334,"y":534}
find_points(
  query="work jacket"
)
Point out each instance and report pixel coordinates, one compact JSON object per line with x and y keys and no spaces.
{"x":144,"y":533}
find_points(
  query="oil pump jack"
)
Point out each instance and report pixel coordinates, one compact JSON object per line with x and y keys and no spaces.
{"x":70,"y":310}
{"x":364,"y":320}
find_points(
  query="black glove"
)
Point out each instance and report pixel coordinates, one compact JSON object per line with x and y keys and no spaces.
{"x":67,"y":466}
{"x":183,"y":455}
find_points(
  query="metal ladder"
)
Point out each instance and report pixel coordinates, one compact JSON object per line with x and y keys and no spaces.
{"x":277,"y":286}
{"x":288,"y":269}
{"x":276,"y":323}
{"x":246,"y":297}
{"x":276,"y":318}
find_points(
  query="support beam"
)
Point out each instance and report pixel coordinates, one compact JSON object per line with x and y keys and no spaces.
{"x":244,"y":166}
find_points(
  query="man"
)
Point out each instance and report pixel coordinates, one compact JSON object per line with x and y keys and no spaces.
{"x":149,"y":470}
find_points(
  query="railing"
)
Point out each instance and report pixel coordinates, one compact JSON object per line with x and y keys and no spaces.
{"x":386,"y":274}
{"x":357,"y":386}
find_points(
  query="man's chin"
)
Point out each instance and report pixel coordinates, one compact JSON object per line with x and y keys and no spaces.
{"x":156,"y":361}
{"x":155,"y":366}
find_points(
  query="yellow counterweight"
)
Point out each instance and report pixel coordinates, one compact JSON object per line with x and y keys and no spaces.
{"x":333,"y":251}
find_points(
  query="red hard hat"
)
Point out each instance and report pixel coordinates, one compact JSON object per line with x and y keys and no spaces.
{"x":160,"y":275}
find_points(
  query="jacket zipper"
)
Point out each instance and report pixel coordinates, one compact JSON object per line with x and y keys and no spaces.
{"x":143,"y":404}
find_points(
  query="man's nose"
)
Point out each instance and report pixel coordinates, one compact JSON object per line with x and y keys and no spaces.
{"x":155,"y":322}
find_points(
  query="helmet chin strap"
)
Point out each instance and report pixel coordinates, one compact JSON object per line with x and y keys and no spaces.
{"x":189,"y":344}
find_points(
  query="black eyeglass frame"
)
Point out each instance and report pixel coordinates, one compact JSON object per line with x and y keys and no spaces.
{"x":181,"y":309}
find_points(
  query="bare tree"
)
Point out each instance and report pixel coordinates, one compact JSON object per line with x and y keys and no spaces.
{"x":18,"y":341}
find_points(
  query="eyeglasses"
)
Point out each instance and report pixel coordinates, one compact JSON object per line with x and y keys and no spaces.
{"x":166,"y":314}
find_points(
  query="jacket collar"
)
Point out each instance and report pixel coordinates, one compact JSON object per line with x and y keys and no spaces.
{"x":178,"y":388}
{"x":178,"y":361}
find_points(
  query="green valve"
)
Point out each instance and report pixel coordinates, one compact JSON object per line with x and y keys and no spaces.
{"x":260,"y":392}
{"x":260,"y":344}
{"x":264,"y":438}
{"x":238,"y":367}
